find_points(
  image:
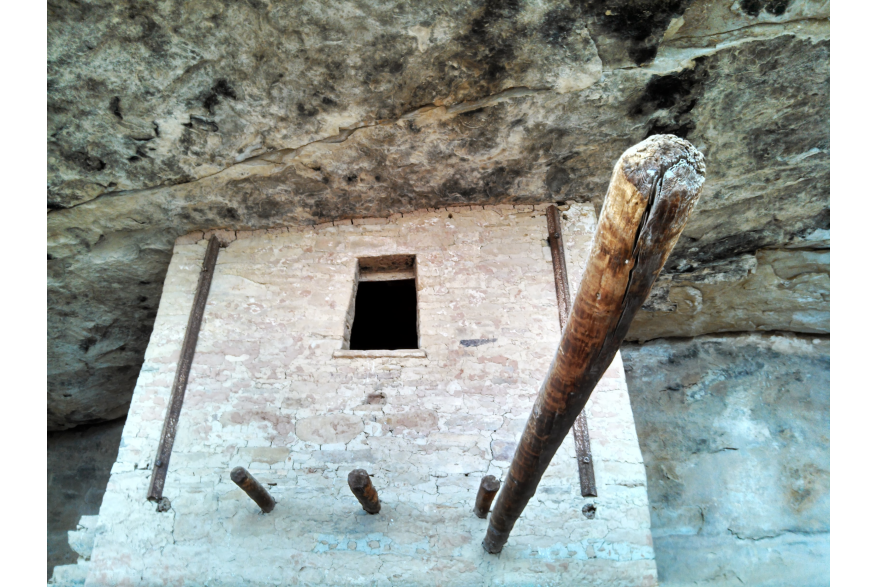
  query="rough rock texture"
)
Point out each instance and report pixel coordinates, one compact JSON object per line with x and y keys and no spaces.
{"x":770,"y":290}
{"x":180,"y":116}
{"x":78,"y":468}
{"x":735,"y":436}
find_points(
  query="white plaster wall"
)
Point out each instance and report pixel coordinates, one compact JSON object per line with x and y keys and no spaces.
{"x":266,"y":393}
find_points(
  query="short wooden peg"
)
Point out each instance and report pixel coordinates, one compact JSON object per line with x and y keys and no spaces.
{"x":486,"y":492}
{"x":361,"y":486}
{"x":253,"y":488}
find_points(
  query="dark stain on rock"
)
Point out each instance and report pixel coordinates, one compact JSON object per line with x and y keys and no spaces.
{"x":141,"y":28}
{"x":638,"y":24}
{"x":557,"y":178}
{"x":774,"y":7}
{"x":688,"y":256}
{"x":220,"y":89}
{"x":823,"y":220}
{"x":87,"y":343}
{"x":85,"y":161}
{"x":198,"y":123}
{"x":391,"y":66}
{"x":669,"y":100}
{"x":499,"y":181}
{"x":229,"y":213}
{"x":777,"y":7}
{"x":559,"y":24}
{"x":486,"y":49}
{"x":751,"y":7}
{"x":498,"y":50}
{"x":677,"y":91}
{"x":454,"y":190}
{"x":306,"y":111}
{"x":681,"y":130}
{"x":114,"y":107}
{"x":139,"y":154}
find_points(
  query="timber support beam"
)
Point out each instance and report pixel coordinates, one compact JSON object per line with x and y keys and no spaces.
{"x":653,"y":189}
{"x":181,"y":378}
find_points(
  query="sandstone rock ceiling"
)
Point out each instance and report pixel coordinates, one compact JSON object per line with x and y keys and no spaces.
{"x":171,"y":117}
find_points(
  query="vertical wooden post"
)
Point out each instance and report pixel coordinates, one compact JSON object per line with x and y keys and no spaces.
{"x":587,"y":482}
{"x":653,"y":189}
{"x":181,"y":378}
{"x":558,"y":262}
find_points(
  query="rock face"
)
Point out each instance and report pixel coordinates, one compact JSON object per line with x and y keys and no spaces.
{"x":164,"y":119}
{"x":78,"y":468}
{"x":770,"y":290}
{"x":735,"y":437}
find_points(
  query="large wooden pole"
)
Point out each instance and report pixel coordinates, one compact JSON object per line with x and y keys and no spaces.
{"x":653,"y":189}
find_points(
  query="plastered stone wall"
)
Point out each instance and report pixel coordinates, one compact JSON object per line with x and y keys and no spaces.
{"x":269,"y":391}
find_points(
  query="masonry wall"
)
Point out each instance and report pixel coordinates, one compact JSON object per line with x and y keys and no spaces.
{"x":270,"y":391}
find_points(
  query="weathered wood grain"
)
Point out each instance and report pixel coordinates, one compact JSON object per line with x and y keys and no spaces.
{"x":486,"y":492}
{"x":585,"y":460}
{"x":361,"y":486}
{"x":253,"y":488}
{"x":181,"y":378}
{"x":653,"y":189}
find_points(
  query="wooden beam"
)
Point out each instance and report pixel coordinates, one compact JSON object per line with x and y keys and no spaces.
{"x":654,"y":187}
{"x":558,"y":262}
{"x":181,"y":378}
{"x":582,"y":439}
{"x":585,"y":460}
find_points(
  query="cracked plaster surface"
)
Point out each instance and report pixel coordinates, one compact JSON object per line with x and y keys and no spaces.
{"x":264,"y":367}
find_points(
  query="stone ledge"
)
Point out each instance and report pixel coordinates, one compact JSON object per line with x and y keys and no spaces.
{"x":398,"y":354}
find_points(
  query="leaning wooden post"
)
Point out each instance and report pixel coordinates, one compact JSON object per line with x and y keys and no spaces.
{"x":486,"y":492}
{"x":181,"y":378}
{"x":653,"y":189}
{"x":361,"y":486}
{"x":253,"y":488}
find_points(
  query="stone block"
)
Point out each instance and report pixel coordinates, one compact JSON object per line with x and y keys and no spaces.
{"x":329,"y":429}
